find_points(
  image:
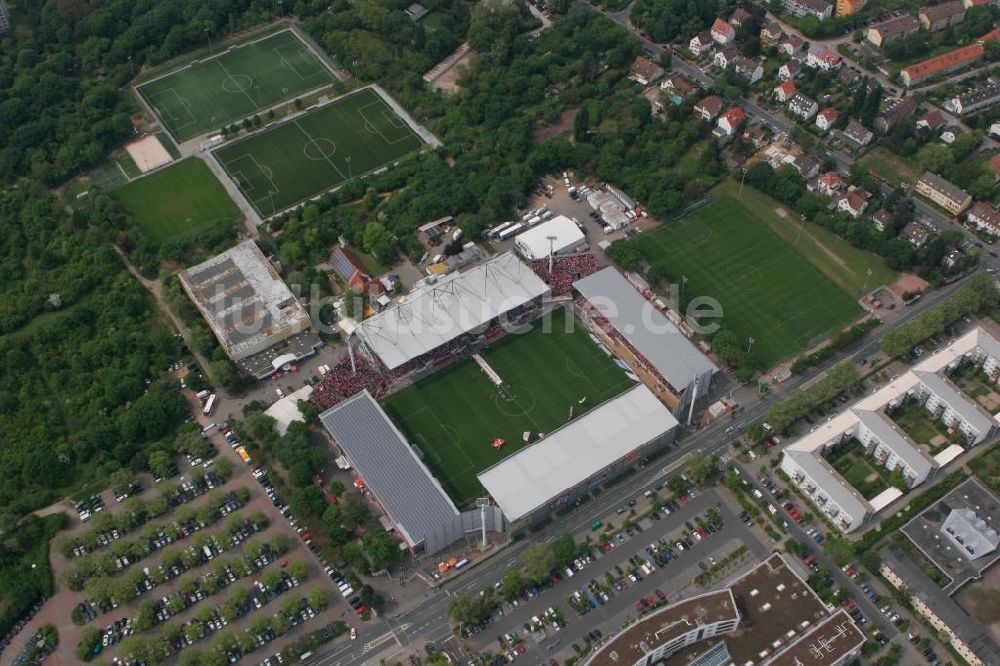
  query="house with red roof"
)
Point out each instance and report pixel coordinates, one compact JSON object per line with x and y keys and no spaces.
{"x":931,"y":121}
{"x":853,"y":203}
{"x":830,"y":183}
{"x":948,"y":62}
{"x":722,"y":32}
{"x":708,"y":108}
{"x":826,"y":118}
{"x":730,"y":121}
{"x":784,"y":92}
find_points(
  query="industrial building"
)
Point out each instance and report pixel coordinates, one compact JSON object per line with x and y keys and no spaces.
{"x":255,"y":317}
{"x":579,"y":456}
{"x":557,"y":236}
{"x":869,"y":423}
{"x":642,"y":336}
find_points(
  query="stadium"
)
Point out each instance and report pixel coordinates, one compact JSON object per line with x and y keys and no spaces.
{"x":497,"y":395}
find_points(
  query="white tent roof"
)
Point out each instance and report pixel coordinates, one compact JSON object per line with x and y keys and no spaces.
{"x":440,"y":312}
{"x":572,"y":454}
{"x":534,"y":243}
{"x":286,"y":410}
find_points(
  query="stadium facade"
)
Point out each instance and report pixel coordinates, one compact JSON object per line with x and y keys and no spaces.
{"x":869,"y":422}
{"x":253,"y":314}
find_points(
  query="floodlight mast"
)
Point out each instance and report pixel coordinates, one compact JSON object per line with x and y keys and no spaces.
{"x":552,"y":253}
{"x":482,"y":503}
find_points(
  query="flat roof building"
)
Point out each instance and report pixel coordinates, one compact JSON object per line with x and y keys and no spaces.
{"x":245,"y":302}
{"x":634,"y":325}
{"x":443,"y":311}
{"x":579,"y":455}
{"x":556,"y":236}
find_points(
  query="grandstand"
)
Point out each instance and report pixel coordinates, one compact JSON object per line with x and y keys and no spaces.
{"x":566,"y":270}
{"x":645,"y":339}
{"x":445,"y":317}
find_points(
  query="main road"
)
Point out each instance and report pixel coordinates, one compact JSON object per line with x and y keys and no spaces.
{"x":428,"y":620}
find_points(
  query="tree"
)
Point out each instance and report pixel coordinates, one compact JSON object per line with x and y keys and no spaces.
{"x":677,"y":485}
{"x":356,"y":513}
{"x":563,"y":548}
{"x":539,"y":561}
{"x":513,"y":584}
{"x":700,"y":467}
{"x":298,"y":569}
{"x":842,"y":551}
{"x":936,"y":158}
{"x":307,"y":501}
{"x":319,"y":598}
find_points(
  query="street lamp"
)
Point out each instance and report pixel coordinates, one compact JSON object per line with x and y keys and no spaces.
{"x":750,"y":342}
{"x":348,"y":160}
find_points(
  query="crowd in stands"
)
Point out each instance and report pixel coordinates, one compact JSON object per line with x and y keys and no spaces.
{"x":344,"y":381}
{"x":566,"y":270}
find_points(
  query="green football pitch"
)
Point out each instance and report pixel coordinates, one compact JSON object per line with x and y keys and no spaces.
{"x":454,"y":415}
{"x":315,"y":152}
{"x":241,"y":82}
{"x":767,"y":290}
{"x":178,"y":200}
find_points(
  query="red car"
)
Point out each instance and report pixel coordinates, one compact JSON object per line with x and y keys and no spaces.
{"x":659,"y":593}
{"x":649,"y":601}
{"x":639,"y":605}
{"x":684,"y":500}
{"x":520,"y":648}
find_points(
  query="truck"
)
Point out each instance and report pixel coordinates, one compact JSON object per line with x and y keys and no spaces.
{"x":210,"y":404}
{"x":203,"y":394}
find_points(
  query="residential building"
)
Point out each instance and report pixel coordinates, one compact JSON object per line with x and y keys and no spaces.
{"x":902,"y":108}
{"x":726,"y":56}
{"x":770,"y":34}
{"x":792,"y":45}
{"x":948,"y":62}
{"x":995,"y":165}
{"x":995,"y":130}
{"x":677,"y":85}
{"x":950,"y":197}
{"x":802,"y":106}
{"x":644,"y":71}
{"x":806,"y":165}
{"x":858,"y":133}
{"x":826,"y":118}
{"x":949,"y":134}
{"x":968,"y":638}
{"x":931,"y":121}
{"x":655,"y":97}
{"x":701,"y":43}
{"x":823,"y":58}
{"x":416,"y":11}
{"x":817,"y":8}
{"x":952,"y":258}
{"x":867,"y":421}
{"x":882,"y":33}
{"x":830,"y":183}
{"x":853,"y":203}
{"x":973,"y":100}
{"x":722,"y":32}
{"x":939,"y":17}
{"x":708,"y":108}
{"x":730,"y":121}
{"x":916,"y":233}
{"x":984,"y":217}
{"x":784,"y":92}
{"x":749,"y":69}
{"x":881,"y":219}
{"x":789,"y":70}
{"x":738,"y":17}
{"x":848,"y":7}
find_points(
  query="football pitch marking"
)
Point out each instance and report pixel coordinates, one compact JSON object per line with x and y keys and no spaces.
{"x":298,"y":51}
{"x":372,"y":128}
{"x":246,"y":184}
{"x":313,"y":142}
{"x":167,"y":114}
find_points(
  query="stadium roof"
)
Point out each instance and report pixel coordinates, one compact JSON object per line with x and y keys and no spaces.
{"x":534,"y":243}
{"x":244,"y":301}
{"x":572,"y":454}
{"x":384,"y":460}
{"x":456,"y":304}
{"x":645,"y":327}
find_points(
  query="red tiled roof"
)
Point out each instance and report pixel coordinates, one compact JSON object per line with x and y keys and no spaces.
{"x":735,"y":116}
{"x":722,"y":27}
{"x":829,"y":113}
{"x":934,"y":119}
{"x":787,"y":88}
{"x":995,"y":164}
{"x":951,"y":59}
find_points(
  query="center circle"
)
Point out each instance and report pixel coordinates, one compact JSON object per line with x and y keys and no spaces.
{"x":237,"y":83}
{"x":319,"y":149}
{"x":522,"y":404}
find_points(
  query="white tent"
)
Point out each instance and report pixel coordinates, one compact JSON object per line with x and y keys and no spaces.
{"x":558,"y":235}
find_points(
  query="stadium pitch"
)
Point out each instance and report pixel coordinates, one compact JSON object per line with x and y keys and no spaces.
{"x":454,"y":415}
{"x":317,"y":151}
{"x":768,"y":291}
{"x":178,"y":200}
{"x":240,"y":82}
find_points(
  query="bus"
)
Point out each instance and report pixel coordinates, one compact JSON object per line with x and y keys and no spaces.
{"x":461,"y":564}
{"x":210,"y":404}
{"x":500,"y":228}
{"x":510,"y":231}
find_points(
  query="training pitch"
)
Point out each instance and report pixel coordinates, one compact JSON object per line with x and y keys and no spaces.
{"x":312,"y":153}
{"x":767,"y":290}
{"x":241,"y":82}
{"x":176,"y":201}
{"x":454,"y":415}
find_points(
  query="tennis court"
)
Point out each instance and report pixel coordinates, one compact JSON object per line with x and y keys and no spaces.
{"x":317,"y":151}
{"x":246,"y":79}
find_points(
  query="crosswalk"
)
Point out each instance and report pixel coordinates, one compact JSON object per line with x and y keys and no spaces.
{"x":726,"y":458}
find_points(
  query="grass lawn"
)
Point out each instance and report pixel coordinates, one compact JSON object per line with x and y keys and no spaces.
{"x":768,"y":289}
{"x":240,"y":82}
{"x":315,"y":152}
{"x":835,"y":257}
{"x":917,"y":423}
{"x":849,"y":460}
{"x":892,"y":167}
{"x":177,"y":200}
{"x":370,"y":263}
{"x":454,"y":415}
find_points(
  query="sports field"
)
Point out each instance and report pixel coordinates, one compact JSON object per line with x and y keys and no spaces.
{"x":244,"y":80}
{"x":454,"y":415}
{"x":176,"y":201}
{"x":767,"y":289}
{"x":315,"y":152}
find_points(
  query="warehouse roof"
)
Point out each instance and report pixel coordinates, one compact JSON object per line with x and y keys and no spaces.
{"x":456,"y":304}
{"x":645,"y":327}
{"x":535,"y":243}
{"x":572,"y":454}
{"x":384,"y":460}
